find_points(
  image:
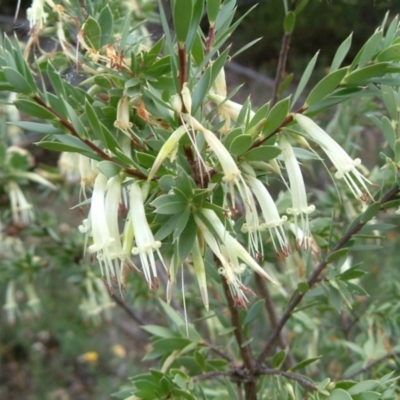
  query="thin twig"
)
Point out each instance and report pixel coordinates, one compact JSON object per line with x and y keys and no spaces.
{"x":273,"y":318}
{"x":127,"y":309}
{"x":289,"y":375}
{"x":297,"y":298}
{"x":280,"y":71}
{"x":67,"y":124}
{"x":245,"y":351}
{"x":217,"y":351}
{"x":250,"y":384}
{"x":373,"y":364}
{"x":211,"y":375}
{"x":283,"y":54}
{"x":306,"y":383}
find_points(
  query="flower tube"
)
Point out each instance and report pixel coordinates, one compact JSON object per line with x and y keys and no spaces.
{"x":300,"y":208}
{"x":36,"y":14}
{"x":345,"y":165}
{"x":273,"y":221}
{"x":144,"y":239}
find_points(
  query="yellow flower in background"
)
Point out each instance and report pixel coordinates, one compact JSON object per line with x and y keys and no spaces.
{"x":90,"y":357}
{"x":119,"y":351}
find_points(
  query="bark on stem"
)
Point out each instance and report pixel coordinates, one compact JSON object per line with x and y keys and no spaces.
{"x":250,"y":385}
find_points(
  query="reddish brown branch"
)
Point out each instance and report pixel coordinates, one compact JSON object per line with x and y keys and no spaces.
{"x":182,"y":67}
{"x":67,"y":124}
{"x":280,"y":71}
{"x":210,"y":39}
{"x":250,"y":383}
{"x":273,"y":318}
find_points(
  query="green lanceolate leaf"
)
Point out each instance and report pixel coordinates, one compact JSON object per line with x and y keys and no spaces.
{"x":338,"y":254}
{"x":305,"y":78}
{"x":213,"y":7}
{"x":304,"y":363}
{"x":56,"y":80}
{"x":388,"y":131}
{"x":198,"y":48}
{"x":301,"y":6}
{"x":201,"y":89}
{"x":370,"y":212}
{"x":240,"y":144}
{"x":181,"y":223}
{"x":262,"y":153}
{"x":183,"y":14}
{"x":325,"y":87}
{"x":289,"y":22}
{"x":397,"y":151}
{"x":364,"y":386}
{"x":39,"y":128}
{"x":17,"y":81}
{"x":339,"y":394}
{"x":391,"y":101}
{"x":170,"y":204}
{"x":279,"y":359}
{"x":234,"y":133}
{"x":276,"y":116}
{"x":92,"y":33}
{"x":171,"y":313}
{"x":392,"y":53}
{"x":106,"y":21}
{"x":370,"y":48}
{"x":260,"y":114}
{"x":341,"y":53}
{"x":196,"y":19}
{"x":187,"y":239}
{"x":361,"y":76}
{"x":254,"y":311}
{"x":108,"y":168}
{"x":29,"y":107}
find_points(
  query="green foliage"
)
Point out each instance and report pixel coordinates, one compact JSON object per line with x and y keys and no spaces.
{"x":184,"y":186}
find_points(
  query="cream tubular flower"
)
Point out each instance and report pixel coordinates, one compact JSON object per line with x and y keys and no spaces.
{"x":98,"y":223}
{"x":345,"y":165}
{"x":200,"y":271}
{"x":112,"y":203}
{"x":122,"y":122}
{"x":232,"y":174}
{"x":300,"y":208}
{"x":232,"y":244}
{"x":36,"y":14}
{"x":87,"y":171}
{"x":33,"y":300}
{"x":144,"y":239}
{"x":167,"y":148}
{"x":186,"y":98}
{"x":68,"y":164}
{"x":228,"y":110}
{"x":273,"y":221}
{"x":227,"y":264}
{"x":219,"y":85}
{"x":11,"y":306}
{"x":21,"y":209}
{"x":233,"y":177}
{"x":229,"y":107}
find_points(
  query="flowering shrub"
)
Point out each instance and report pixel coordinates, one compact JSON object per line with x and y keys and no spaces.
{"x":177,"y":178}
